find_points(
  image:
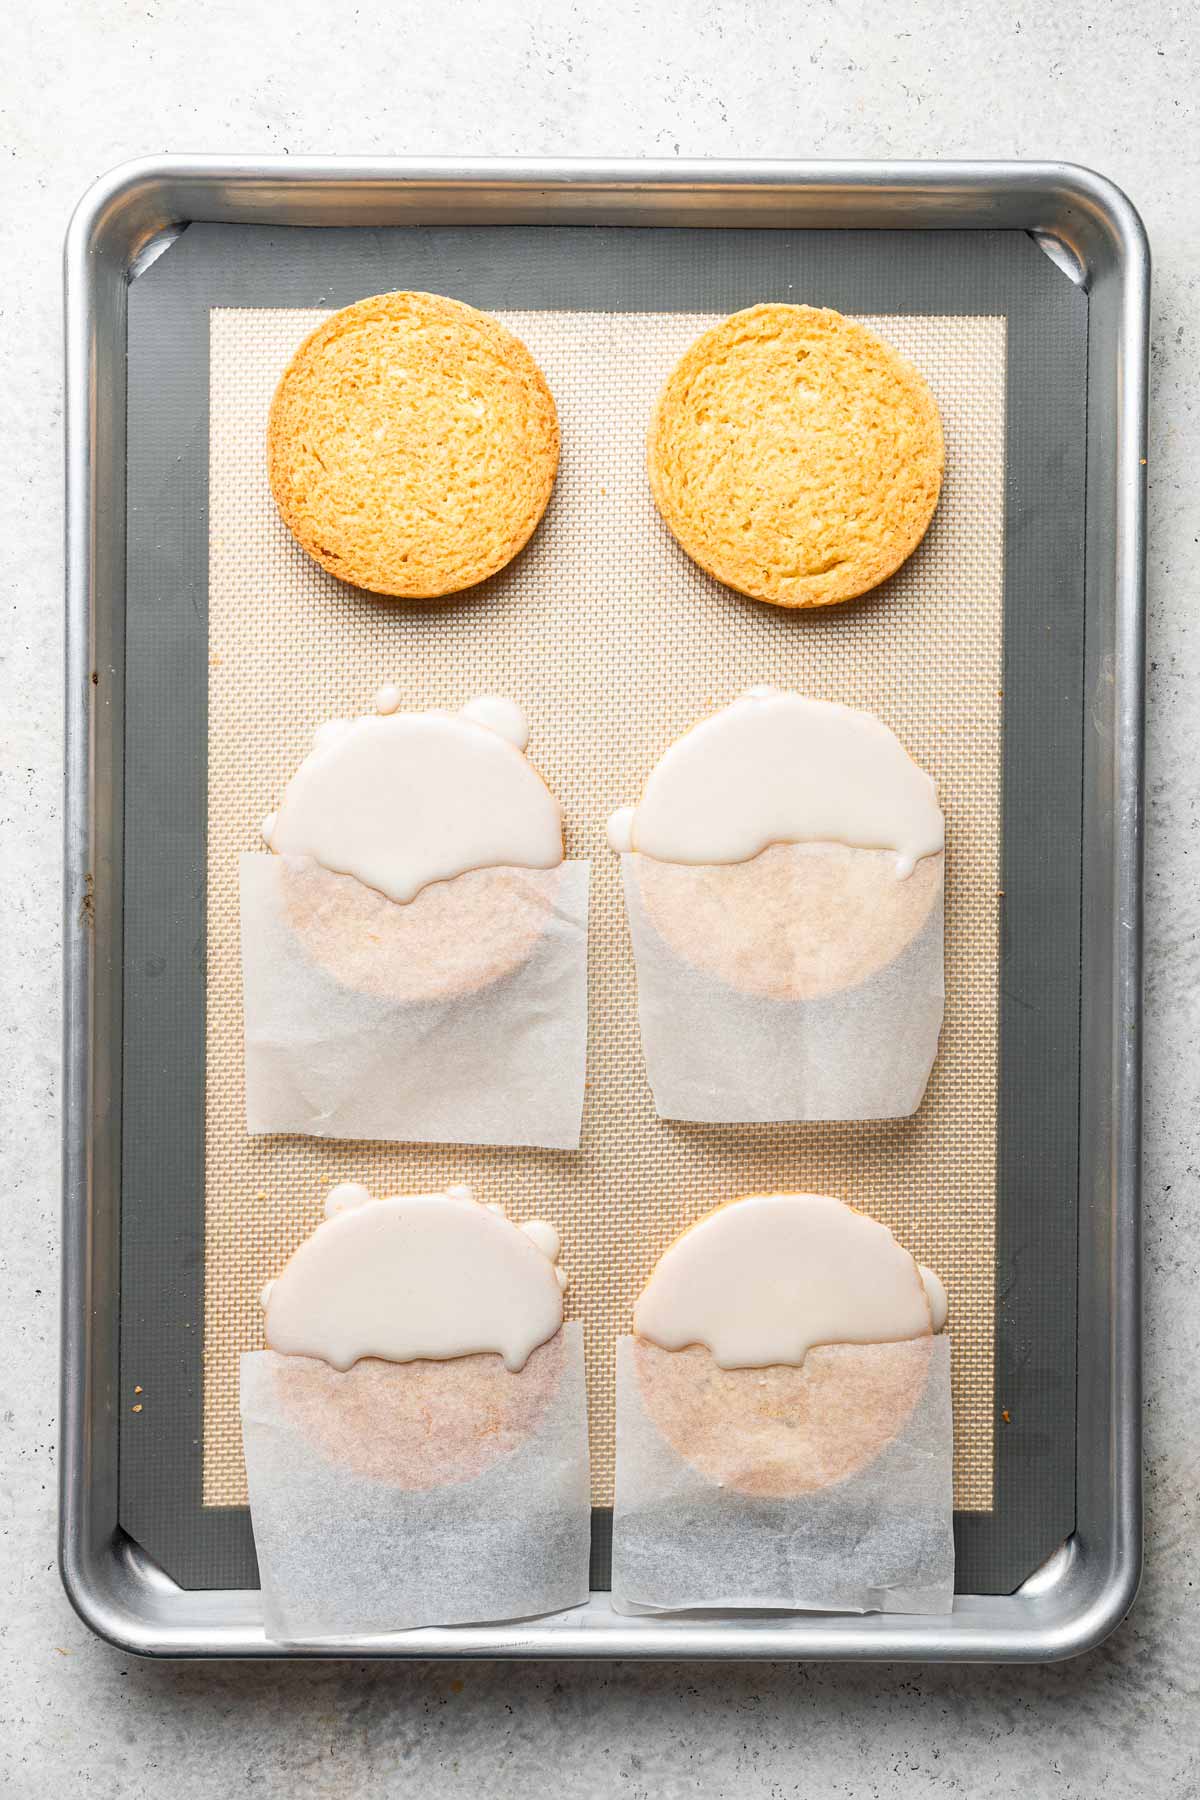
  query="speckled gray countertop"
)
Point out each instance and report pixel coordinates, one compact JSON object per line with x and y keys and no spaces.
{"x":84,"y":85}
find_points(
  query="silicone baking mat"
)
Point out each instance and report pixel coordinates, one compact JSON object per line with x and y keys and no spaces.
{"x":613,"y":642}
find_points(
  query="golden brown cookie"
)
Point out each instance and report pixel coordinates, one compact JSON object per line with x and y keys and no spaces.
{"x":412,"y":445}
{"x":418,"y":1424}
{"x":454,"y":937}
{"x":796,"y":922}
{"x":781,"y":1431}
{"x":796,"y":456}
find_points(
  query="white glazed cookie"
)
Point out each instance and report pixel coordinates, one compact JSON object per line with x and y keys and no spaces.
{"x":422,"y":849}
{"x":418,"y":1338}
{"x":790,"y":847}
{"x":783,"y":1341}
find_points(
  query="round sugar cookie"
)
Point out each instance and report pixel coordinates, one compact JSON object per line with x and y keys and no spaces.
{"x":412,"y":445}
{"x":782,"y":1341}
{"x":795,"y":455}
{"x":425,"y":1424}
{"x":454,"y":937}
{"x":795,"y":922}
{"x":781,"y":1431}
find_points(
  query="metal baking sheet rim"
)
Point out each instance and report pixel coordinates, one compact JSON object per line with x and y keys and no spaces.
{"x":1092,"y":230}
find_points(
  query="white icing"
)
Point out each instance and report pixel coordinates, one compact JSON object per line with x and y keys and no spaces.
{"x":763,"y":1279}
{"x":406,"y":799}
{"x":499,"y":715}
{"x":777,"y":768}
{"x":935,"y":1293}
{"x":345,"y":1195}
{"x":543,"y":1234}
{"x":387,"y":700}
{"x":330,"y":732}
{"x":620,"y":829}
{"x":423,"y":1276}
{"x":268,"y":826}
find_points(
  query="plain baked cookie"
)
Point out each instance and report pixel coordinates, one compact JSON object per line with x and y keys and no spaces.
{"x":412,"y":445}
{"x":795,"y":456}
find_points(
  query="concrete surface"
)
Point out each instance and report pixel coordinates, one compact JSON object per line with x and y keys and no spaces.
{"x":83,"y":86}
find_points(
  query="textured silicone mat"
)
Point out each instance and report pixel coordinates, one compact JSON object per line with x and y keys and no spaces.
{"x":613,"y":642}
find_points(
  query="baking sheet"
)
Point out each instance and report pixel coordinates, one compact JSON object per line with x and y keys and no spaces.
{"x":859,"y":644}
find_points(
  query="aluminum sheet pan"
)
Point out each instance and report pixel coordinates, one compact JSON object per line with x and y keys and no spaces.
{"x":1093,"y":234}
